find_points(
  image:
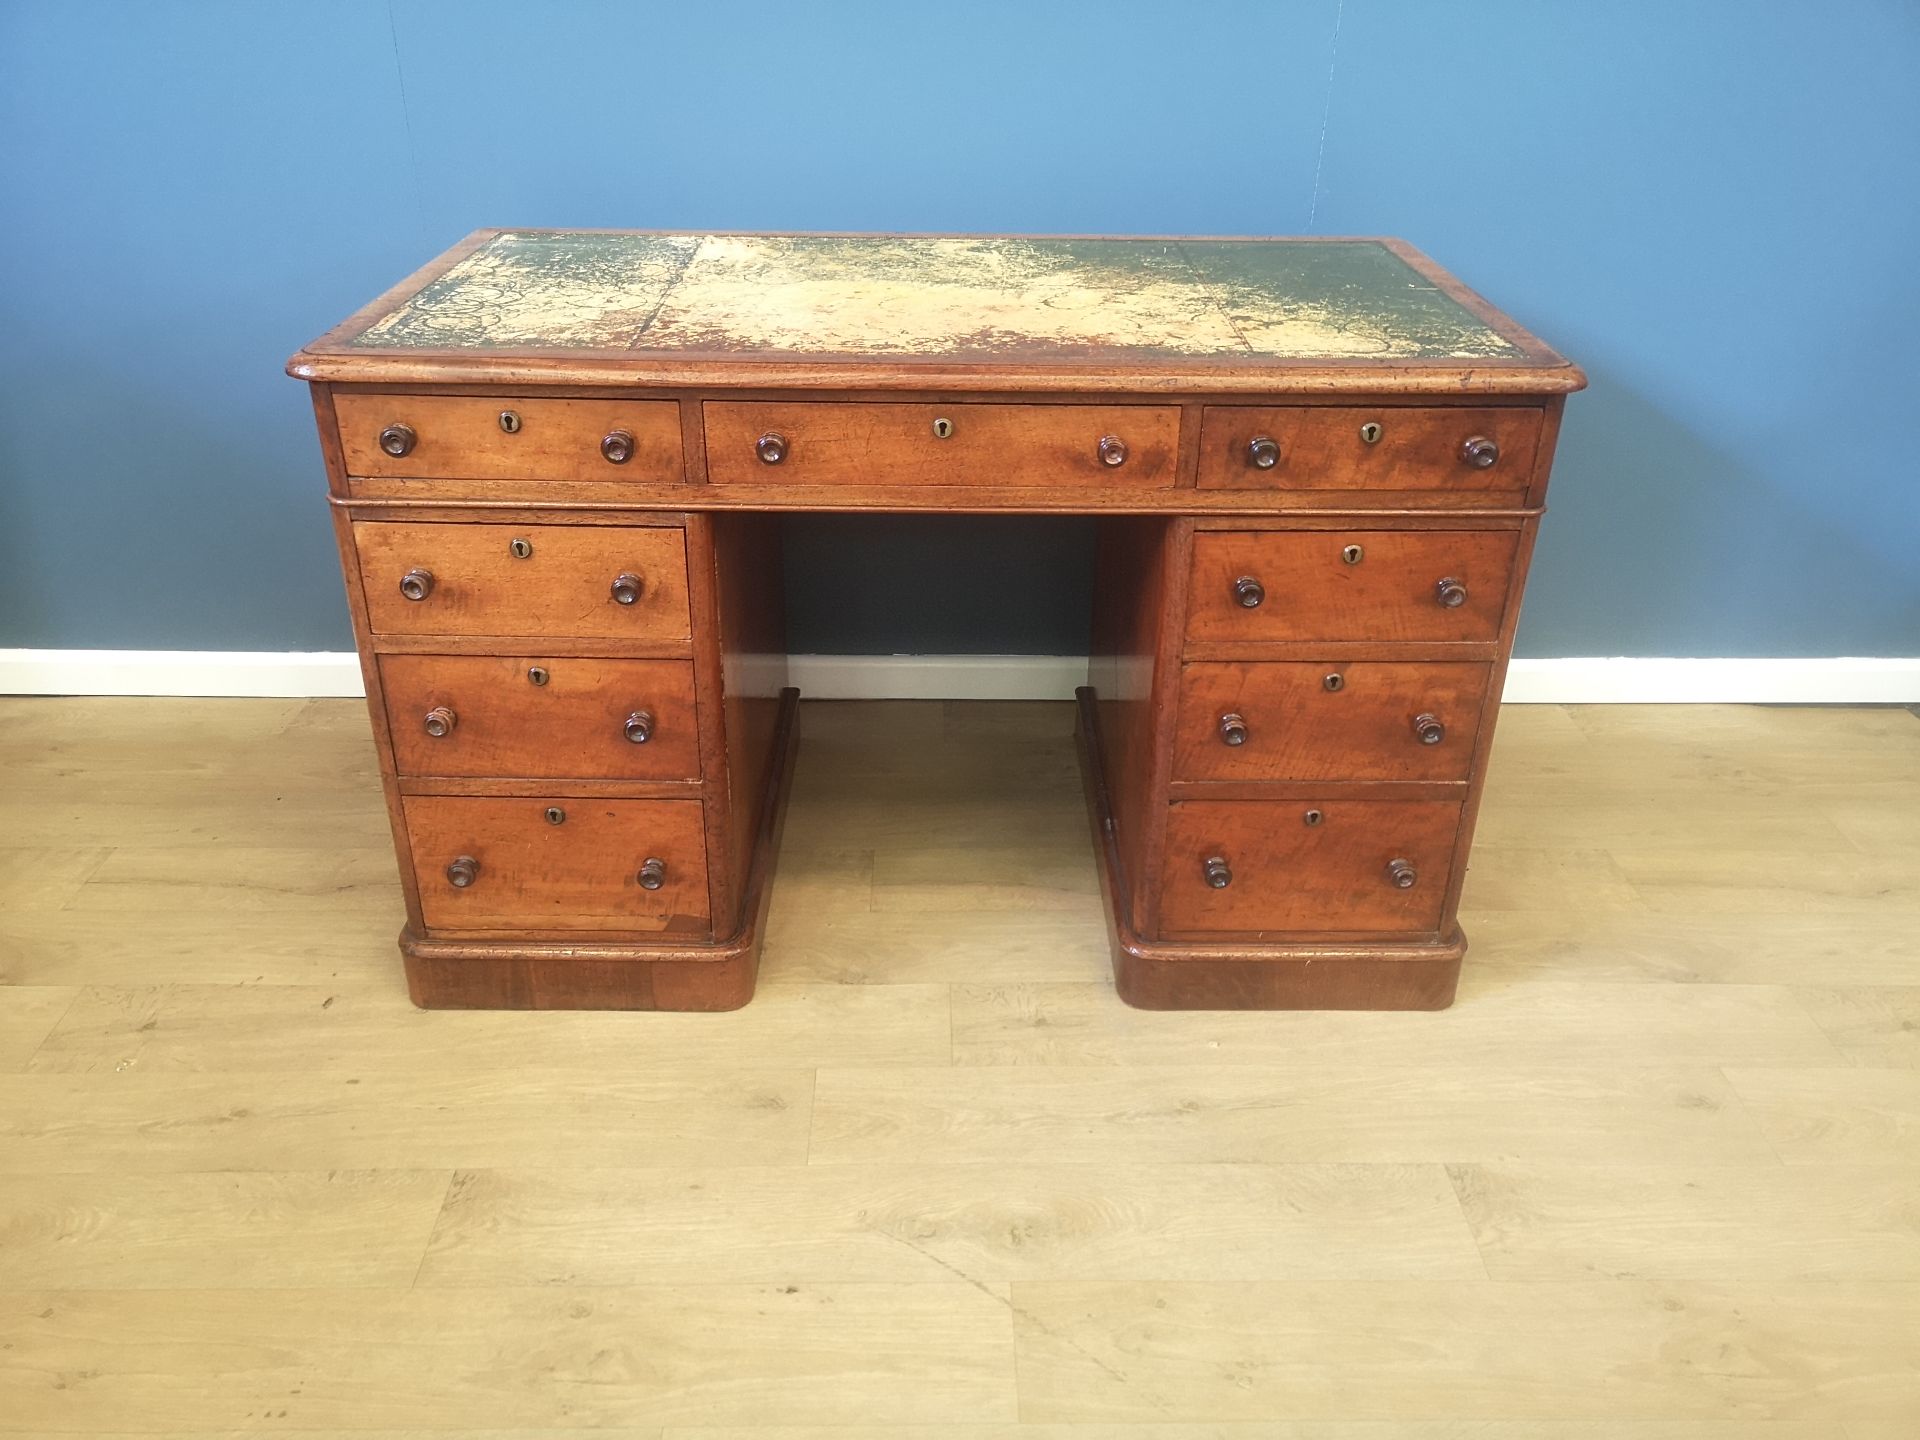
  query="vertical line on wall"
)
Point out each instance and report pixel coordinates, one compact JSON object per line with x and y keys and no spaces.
{"x":406,"y":121}
{"x":1326,"y":113}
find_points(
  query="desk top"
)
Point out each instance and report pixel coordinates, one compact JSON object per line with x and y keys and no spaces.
{"x":924,"y":311}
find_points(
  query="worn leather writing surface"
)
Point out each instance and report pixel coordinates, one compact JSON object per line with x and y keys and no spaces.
{"x":1007,"y":297}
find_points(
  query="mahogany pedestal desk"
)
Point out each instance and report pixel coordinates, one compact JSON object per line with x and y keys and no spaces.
{"x":557,"y":463}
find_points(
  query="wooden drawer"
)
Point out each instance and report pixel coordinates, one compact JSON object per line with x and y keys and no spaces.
{"x":502,"y":437}
{"x":1349,"y":585}
{"x":1333,"y":875}
{"x":475,"y":582}
{"x":885,"y":444}
{"x":536,"y":716}
{"x":583,"y":873}
{"x":1328,"y":720}
{"x":1486,"y":451}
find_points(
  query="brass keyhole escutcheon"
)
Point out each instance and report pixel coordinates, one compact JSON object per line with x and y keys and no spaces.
{"x":555,"y":815}
{"x":510,"y":421}
{"x":538,"y":674}
{"x":943,"y":429}
{"x":1335,"y":681}
{"x":520,"y":548}
{"x":1371,"y":432}
{"x":1313,"y":817}
{"x":1353,"y":554}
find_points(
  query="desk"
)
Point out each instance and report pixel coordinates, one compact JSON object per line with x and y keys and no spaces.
{"x":557,"y":462}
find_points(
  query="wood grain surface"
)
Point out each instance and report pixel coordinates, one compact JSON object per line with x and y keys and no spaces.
{"x":1651,"y":1177}
{"x":562,"y":587}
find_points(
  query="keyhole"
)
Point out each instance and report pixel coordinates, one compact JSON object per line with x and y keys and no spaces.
{"x":1352,"y":554}
{"x":521,"y":548}
{"x":942,"y":428}
{"x":510,"y":421}
{"x":538,"y":674}
{"x":1370,"y":432}
{"x":555,"y":815}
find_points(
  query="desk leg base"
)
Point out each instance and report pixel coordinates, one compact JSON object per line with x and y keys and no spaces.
{"x":452,"y":974}
{"x":1157,"y":975}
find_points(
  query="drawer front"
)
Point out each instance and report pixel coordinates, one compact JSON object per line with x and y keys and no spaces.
{"x":1349,"y":585}
{"x":583,"y":873}
{"x":1474,"y":451}
{"x":539,"y":717}
{"x":1306,"y":865}
{"x":473,"y":580}
{"x":799,"y":443}
{"x":500,"y":437}
{"x":1328,"y":720}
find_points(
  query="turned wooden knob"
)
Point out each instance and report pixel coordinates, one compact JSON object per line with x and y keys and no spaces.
{"x":1263,"y":452}
{"x":1112,"y":450}
{"x":398,"y":440}
{"x":440,"y":721}
{"x":463,"y":872}
{"x":653,"y":874}
{"x":771,"y":448}
{"x":1402,"y":874}
{"x":639,"y":727}
{"x":1479,"y":453}
{"x":626,"y":588}
{"x":1450,"y":592}
{"x":1233,"y":729}
{"x":1248,"y":592}
{"x":417,"y":584}
{"x":1219,"y":874}
{"x":1428,"y":728}
{"x":617,"y":446}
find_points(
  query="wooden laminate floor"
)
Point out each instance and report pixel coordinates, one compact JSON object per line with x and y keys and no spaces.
{"x":1656,"y":1176}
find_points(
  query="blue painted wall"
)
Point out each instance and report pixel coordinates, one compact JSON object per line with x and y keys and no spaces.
{"x":1714,"y":206}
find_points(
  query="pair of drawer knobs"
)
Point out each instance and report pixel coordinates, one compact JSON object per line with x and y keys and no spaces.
{"x":440,"y":721}
{"x":772,"y":447}
{"x":417,"y":584}
{"x":1235,"y":732}
{"x":464,"y":870}
{"x":1219,"y":874}
{"x":1448,"y":592}
{"x":398,"y":440}
{"x":1476,"y":453}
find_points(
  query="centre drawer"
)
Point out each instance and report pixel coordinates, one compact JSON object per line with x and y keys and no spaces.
{"x":1393,"y":585}
{"x":587,"y":581}
{"x":1273,"y":866}
{"x":541,"y":717}
{"x":1328,"y":720}
{"x":867,"y":444}
{"x":501,"y":437}
{"x":559,"y":863}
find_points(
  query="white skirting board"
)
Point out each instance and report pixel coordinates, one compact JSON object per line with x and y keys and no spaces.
{"x":1599,"y":681}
